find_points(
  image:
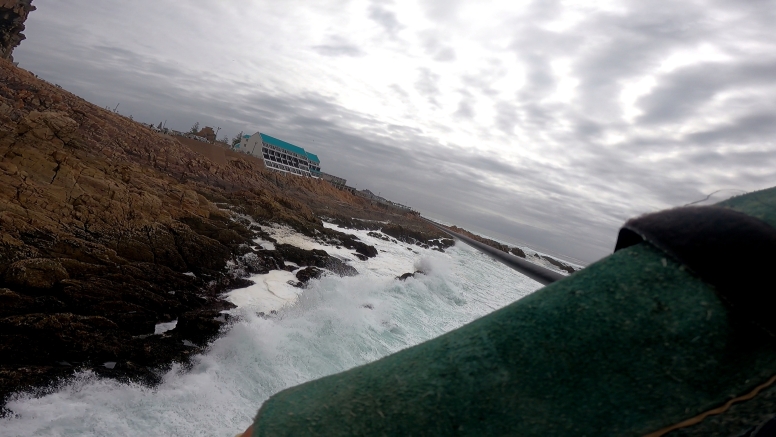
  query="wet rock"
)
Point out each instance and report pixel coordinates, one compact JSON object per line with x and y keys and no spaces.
{"x":405,"y":276}
{"x":410,"y":235}
{"x":315,"y":258}
{"x":380,"y":236}
{"x":302,"y":257}
{"x":200,"y":326}
{"x":308,"y":273}
{"x":360,"y":256}
{"x":352,"y":242}
{"x":260,"y":263}
{"x":350,"y":223}
{"x":130,"y":317}
{"x":340,"y":268}
{"x":44,"y":338}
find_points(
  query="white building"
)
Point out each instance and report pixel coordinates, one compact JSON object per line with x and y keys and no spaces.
{"x":281,"y":156}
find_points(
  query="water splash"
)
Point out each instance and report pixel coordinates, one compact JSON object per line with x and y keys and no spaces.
{"x":335,"y":324}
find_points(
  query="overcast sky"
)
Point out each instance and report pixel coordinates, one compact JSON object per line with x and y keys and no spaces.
{"x":544,"y":122}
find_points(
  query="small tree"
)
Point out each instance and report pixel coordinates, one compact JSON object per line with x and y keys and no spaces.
{"x":195,"y":128}
{"x":225,"y":139}
{"x":237,"y":139}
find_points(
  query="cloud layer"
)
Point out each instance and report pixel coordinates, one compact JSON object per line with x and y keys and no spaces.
{"x":547,"y":123}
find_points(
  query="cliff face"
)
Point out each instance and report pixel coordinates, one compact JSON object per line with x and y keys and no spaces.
{"x":13,"y":14}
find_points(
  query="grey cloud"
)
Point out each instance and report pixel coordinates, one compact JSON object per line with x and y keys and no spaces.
{"x":434,"y":48}
{"x":427,"y":85}
{"x":743,"y":130}
{"x":465,"y":109}
{"x":339,"y":50}
{"x":441,"y":10}
{"x":385,"y":18}
{"x":684,"y":92}
{"x":445,"y":54}
{"x":507,"y":117}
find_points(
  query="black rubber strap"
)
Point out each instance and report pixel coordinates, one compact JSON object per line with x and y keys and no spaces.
{"x":732,"y":251}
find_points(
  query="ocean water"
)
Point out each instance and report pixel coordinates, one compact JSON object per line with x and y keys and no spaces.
{"x":332,"y":325}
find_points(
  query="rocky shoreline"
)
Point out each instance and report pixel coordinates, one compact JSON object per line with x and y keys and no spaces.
{"x":108,"y":229}
{"x":536,"y":258}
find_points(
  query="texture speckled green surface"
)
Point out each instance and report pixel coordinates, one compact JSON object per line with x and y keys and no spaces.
{"x":627,"y":346}
{"x":760,"y":204}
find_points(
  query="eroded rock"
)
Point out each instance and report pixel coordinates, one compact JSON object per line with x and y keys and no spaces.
{"x":36,"y":273}
{"x":13,"y":14}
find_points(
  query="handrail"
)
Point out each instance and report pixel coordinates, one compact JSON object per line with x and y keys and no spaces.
{"x":539,"y":274}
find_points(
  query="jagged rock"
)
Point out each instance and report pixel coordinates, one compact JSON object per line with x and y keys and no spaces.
{"x":563,"y":266}
{"x":517,"y":252}
{"x":362,"y":248}
{"x":13,"y":14}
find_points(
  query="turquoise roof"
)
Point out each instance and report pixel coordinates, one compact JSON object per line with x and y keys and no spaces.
{"x":313,"y":158}
{"x":282,"y":144}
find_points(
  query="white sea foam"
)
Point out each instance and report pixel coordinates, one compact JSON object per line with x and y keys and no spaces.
{"x":161,"y":328}
{"x":333,"y":325}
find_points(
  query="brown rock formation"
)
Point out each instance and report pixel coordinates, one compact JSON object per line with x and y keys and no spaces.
{"x":207,"y":133}
{"x":13,"y":14}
